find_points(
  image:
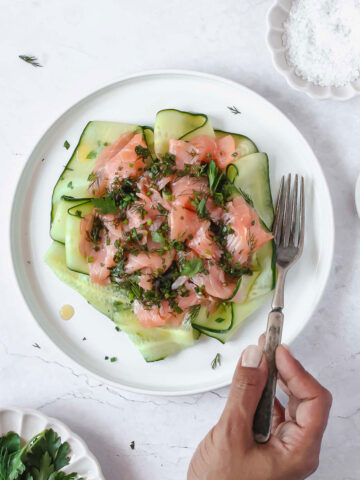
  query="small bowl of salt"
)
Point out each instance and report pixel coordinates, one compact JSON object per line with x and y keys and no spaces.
{"x":315,"y":44}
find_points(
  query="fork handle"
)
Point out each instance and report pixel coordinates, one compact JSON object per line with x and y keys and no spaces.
{"x":264,"y":411}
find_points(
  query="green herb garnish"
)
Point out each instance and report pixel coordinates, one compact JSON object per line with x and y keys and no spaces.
{"x":234,"y":110}
{"x":66,"y":145}
{"x":105,"y":205}
{"x":32,"y":60}
{"x":158,"y":237}
{"x":191,"y":267}
{"x":70,"y":185}
{"x":216,"y":362}
{"x":91,"y":155}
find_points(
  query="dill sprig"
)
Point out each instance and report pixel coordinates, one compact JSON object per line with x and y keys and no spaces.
{"x":216,"y":362}
{"x":32,"y":60}
{"x":234,"y":110}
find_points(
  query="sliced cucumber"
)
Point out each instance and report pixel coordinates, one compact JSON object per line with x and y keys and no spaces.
{"x":252,"y":178}
{"x":106,"y":299}
{"x":243,"y":145}
{"x":218,"y":322}
{"x":177,"y":124}
{"x":74,"y":259}
{"x":264,"y":260}
{"x":74,"y":181}
{"x":153,"y":343}
{"x":149,"y":139}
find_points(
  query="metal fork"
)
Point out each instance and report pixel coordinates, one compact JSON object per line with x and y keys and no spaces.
{"x":288,"y":233}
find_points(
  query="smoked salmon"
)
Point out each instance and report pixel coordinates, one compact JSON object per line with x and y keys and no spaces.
{"x":168,"y":231}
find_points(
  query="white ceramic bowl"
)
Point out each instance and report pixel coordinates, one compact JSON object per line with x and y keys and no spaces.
{"x":277,"y":15}
{"x":27,"y":423}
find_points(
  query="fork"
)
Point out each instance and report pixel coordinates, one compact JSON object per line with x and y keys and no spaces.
{"x":288,"y":231}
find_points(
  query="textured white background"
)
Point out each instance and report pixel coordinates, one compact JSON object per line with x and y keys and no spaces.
{"x":82,"y":44}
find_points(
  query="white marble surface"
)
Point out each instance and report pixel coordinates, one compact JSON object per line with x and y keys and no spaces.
{"x":82,"y":44}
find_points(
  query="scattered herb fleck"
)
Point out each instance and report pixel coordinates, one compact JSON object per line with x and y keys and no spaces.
{"x":132,"y":445}
{"x":70,"y":185}
{"x":234,"y":110}
{"x":216,"y":362}
{"x":36,"y":345}
{"x":113,"y":359}
{"x":66,"y":145}
{"x":91,"y":155}
{"x":30,"y":59}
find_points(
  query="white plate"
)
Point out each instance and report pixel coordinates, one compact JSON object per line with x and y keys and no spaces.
{"x":136,"y":99}
{"x":27,"y":423}
{"x":277,"y":15}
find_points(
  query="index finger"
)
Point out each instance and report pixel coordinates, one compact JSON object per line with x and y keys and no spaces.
{"x":315,"y":401}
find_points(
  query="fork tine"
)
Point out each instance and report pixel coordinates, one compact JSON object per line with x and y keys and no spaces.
{"x":287,"y":214}
{"x":302,"y":216}
{"x":279,"y":211}
{"x":294,"y":210}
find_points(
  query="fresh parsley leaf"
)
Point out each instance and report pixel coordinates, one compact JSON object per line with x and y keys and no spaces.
{"x":91,"y":155}
{"x":105,"y":205}
{"x":132,"y":445}
{"x":214,"y":175}
{"x":158,"y":237}
{"x":66,"y":145}
{"x":32,"y":60}
{"x":191,"y":267}
{"x":70,"y":185}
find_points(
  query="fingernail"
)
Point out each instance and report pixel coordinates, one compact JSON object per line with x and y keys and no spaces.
{"x":251,"y":356}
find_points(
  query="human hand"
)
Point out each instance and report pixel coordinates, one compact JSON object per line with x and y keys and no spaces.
{"x":229,"y":452}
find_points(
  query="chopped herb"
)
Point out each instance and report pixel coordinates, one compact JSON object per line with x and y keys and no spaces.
{"x":113,"y":359}
{"x":132,"y":445}
{"x":158,"y":237}
{"x":118,"y":329}
{"x":131,"y":165}
{"x":66,"y":145}
{"x":106,"y":357}
{"x":92,"y":177}
{"x":105,"y":205}
{"x":36,"y":345}
{"x":84,"y":338}
{"x":219,"y":320}
{"x":70,"y":185}
{"x":106,"y":144}
{"x":32,"y":60}
{"x":234,"y":110}
{"x":91,"y":155}
{"x":142,"y":152}
{"x":216,"y":362}
{"x":191,"y":267}
{"x":194,"y":312}
{"x":235,"y":154}
{"x":90,"y":259}
{"x":251,"y":240}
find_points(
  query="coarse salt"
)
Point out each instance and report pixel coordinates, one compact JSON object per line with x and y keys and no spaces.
{"x":322,"y":40}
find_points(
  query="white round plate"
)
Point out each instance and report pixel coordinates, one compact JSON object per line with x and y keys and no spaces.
{"x":277,"y":15}
{"x":27,"y":423}
{"x":136,"y":99}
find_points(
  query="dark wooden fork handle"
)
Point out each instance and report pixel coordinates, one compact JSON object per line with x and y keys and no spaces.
{"x":264,"y":411}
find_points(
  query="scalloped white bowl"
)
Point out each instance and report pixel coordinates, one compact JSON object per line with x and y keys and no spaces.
{"x":27,"y":423}
{"x":277,"y":15}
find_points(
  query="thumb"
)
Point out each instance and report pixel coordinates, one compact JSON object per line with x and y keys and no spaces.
{"x":247,"y":386}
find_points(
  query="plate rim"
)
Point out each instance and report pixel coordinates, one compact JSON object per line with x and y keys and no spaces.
{"x":103,"y":86}
{"x":54,"y":421}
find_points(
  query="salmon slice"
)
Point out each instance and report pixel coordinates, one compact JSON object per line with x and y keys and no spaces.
{"x":226,"y":148}
{"x":146,"y":279}
{"x":182,"y":222}
{"x":203,"y":244}
{"x":249,"y":235}
{"x":126,"y":162}
{"x":157,"y":316}
{"x":152,"y":261}
{"x":100,"y":256}
{"x":184,"y":188}
{"x":206,"y":146}
{"x":215,"y":211}
{"x":192,"y":299}
{"x":98,"y":188}
{"x":215,"y":283}
{"x":185,"y":153}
